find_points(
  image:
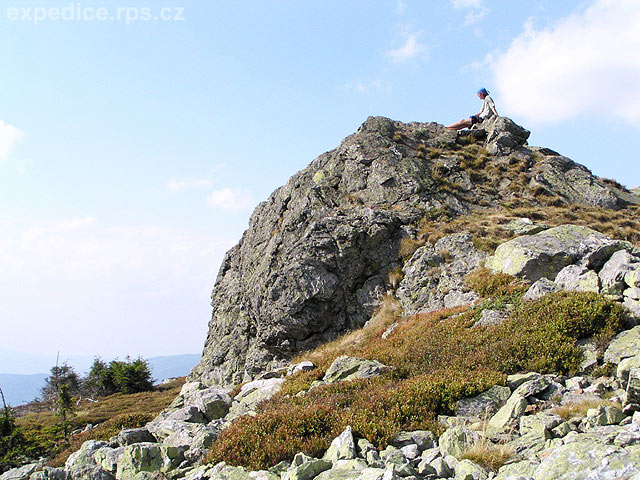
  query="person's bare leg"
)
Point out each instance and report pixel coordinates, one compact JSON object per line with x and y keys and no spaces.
{"x":464,"y":123}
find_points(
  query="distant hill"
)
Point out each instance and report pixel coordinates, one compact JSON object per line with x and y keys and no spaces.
{"x":21,"y":389}
{"x":172,"y":365}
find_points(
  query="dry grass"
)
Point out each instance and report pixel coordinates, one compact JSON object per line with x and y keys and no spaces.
{"x":488,"y":455}
{"x":389,"y":312}
{"x":394,"y":278}
{"x":579,"y":409}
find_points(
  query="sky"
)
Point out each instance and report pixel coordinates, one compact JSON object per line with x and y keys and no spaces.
{"x":137,"y":137}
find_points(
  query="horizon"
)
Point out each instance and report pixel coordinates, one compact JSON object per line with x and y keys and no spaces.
{"x":133,"y":149}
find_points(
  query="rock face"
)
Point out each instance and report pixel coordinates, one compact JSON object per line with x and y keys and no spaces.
{"x":316,"y":256}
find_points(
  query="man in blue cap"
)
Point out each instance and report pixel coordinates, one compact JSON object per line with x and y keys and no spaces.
{"x":488,"y":110}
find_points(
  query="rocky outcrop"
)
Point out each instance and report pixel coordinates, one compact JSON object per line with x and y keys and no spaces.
{"x":434,"y":276}
{"x":316,"y":256}
{"x":547,"y":253}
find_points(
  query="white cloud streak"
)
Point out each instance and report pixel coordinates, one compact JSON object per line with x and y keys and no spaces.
{"x":365,"y":87}
{"x":9,"y":137}
{"x":585,"y":65}
{"x":461,"y":4}
{"x":177,"y":185}
{"x":477,"y":10}
{"x":230,"y":199}
{"x":411,"y":48}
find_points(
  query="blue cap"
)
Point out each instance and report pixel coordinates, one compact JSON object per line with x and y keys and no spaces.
{"x":483,"y":91}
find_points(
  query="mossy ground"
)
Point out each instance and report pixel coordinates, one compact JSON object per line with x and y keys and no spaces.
{"x":437,"y":359}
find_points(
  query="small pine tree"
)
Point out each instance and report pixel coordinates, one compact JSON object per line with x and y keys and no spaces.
{"x":14,"y":448}
{"x":60,"y":375}
{"x":65,"y":410}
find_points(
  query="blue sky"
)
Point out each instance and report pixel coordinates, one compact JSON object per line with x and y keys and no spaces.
{"x":132,"y":151}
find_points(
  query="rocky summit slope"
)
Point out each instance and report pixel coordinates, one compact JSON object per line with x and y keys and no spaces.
{"x":318,"y":253}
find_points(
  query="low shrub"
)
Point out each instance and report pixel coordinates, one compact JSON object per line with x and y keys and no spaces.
{"x":437,"y":359}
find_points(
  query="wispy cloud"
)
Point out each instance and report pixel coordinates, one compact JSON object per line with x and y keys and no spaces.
{"x":64,"y":227}
{"x":366,"y":87}
{"x":583,"y":65}
{"x":401,"y":7}
{"x":411,"y":48}
{"x":9,"y":137}
{"x":177,"y":185}
{"x":230,"y":199}
{"x":477,"y":10}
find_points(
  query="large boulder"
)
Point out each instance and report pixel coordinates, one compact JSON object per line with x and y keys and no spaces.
{"x":625,"y":345}
{"x":546,"y":253}
{"x":148,"y":457}
{"x":504,"y":135}
{"x":81,"y":465}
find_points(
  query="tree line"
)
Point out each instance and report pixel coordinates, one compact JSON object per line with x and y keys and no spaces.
{"x":128,"y":376}
{"x":64,"y":383}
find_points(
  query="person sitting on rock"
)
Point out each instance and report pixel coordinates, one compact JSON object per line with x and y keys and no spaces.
{"x":488,"y":111}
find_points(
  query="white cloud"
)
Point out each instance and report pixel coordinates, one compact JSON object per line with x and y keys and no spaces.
{"x":365,"y":87}
{"x":474,"y":16}
{"x":477,"y":10}
{"x":410,"y":49}
{"x":63,"y":227}
{"x":231,"y":199}
{"x":401,"y":7}
{"x":586,"y":64}
{"x":9,"y":137}
{"x":177,"y":185}
{"x":460,"y":4}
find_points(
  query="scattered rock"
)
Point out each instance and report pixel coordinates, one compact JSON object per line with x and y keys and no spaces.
{"x":467,"y":470}
{"x":454,"y":441}
{"x":533,"y":387}
{"x":540,"y":288}
{"x":490,"y":317}
{"x":349,"y":368}
{"x":486,"y":403}
{"x":20,"y":473}
{"x":343,"y":447}
{"x":579,"y":278}
{"x":613,"y":272}
{"x":423,"y":439}
{"x":514,"y":408}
